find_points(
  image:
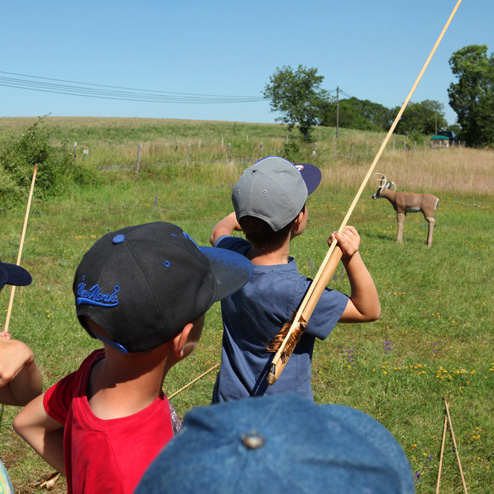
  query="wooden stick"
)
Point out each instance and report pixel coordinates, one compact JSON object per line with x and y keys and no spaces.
{"x":456,"y":448}
{"x":442,"y":453}
{"x":324,"y":273}
{"x":23,"y":235}
{"x":50,"y":482}
{"x":192,"y":382}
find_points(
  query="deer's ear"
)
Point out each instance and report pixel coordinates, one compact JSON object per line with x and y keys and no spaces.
{"x":388,"y":185}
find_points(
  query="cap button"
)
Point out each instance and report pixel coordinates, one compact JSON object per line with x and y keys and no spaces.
{"x":253,"y":440}
{"x":118,"y":239}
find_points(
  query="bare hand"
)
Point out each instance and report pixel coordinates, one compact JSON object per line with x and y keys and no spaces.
{"x":14,"y":355}
{"x":348,"y":241}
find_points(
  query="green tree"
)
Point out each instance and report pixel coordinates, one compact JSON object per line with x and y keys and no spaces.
{"x":357,"y":114}
{"x":421,"y":118}
{"x":348,"y":116}
{"x":472,"y":97}
{"x":298,"y":96}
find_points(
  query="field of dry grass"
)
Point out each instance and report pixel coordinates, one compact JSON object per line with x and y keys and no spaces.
{"x":455,"y":170}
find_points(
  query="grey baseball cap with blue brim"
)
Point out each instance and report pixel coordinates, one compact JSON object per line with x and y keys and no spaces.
{"x":278,"y":444}
{"x":274,"y":190}
{"x":11,"y":274}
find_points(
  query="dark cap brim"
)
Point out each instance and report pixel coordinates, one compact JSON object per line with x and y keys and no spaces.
{"x":231,"y":270}
{"x":11,"y":274}
{"x":311,"y":174}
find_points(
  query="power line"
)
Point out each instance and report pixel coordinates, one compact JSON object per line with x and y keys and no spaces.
{"x":101,"y":91}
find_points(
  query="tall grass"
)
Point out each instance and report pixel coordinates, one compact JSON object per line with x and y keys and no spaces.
{"x":433,"y":340}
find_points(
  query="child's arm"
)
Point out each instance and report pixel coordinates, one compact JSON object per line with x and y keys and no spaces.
{"x":20,"y":377}
{"x":42,"y":433}
{"x":363,"y":305}
{"x":226,"y":226}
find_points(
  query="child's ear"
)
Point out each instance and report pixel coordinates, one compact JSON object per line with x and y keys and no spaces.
{"x":297,"y":222}
{"x":181,"y":339}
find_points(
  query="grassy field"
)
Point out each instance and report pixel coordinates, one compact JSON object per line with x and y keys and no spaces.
{"x":435,"y":335}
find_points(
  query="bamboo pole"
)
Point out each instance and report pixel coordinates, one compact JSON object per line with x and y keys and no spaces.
{"x":442,"y":453}
{"x":454,"y":443}
{"x":192,"y":382}
{"x":19,"y":255}
{"x":324,"y":273}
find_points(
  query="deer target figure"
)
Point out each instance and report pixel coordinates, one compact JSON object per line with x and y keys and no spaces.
{"x":408,"y":202}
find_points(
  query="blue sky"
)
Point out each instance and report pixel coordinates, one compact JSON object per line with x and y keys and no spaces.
{"x":370,"y":50}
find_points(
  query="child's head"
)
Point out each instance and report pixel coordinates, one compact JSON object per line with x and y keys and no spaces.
{"x":11,"y":274}
{"x":144,"y":283}
{"x":283,"y":443}
{"x":270,"y":195}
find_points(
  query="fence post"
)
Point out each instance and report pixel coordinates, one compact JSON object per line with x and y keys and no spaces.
{"x":351,"y":150}
{"x":228,"y":151}
{"x":75,"y":151}
{"x":138,"y":158}
{"x":261,"y":147}
{"x":367,"y":148}
{"x":187,"y":158}
{"x":314,"y":152}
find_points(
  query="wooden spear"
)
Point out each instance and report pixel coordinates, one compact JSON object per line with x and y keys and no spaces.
{"x":19,"y":255}
{"x":284,"y":343}
{"x":193,"y":381}
{"x":442,"y":454}
{"x":454,"y":443}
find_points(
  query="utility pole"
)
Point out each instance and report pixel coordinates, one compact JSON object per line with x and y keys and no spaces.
{"x":337,"y":110}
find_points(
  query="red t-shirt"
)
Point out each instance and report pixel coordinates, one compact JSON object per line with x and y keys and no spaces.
{"x":105,"y":455}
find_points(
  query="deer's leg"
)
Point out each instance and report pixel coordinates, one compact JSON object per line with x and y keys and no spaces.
{"x":431,"y":222}
{"x":401,"y":220}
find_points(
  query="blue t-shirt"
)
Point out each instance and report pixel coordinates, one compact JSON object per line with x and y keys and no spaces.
{"x":254,"y":315}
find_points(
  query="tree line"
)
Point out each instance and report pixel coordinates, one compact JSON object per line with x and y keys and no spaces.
{"x":298,"y":96}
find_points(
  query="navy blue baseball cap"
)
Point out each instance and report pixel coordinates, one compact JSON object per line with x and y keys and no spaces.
{"x":144,"y":283}
{"x":279,"y":444}
{"x":11,"y":274}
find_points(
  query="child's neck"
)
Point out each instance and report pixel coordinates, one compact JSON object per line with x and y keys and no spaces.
{"x":137,"y":377}
{"x":278,"y":256}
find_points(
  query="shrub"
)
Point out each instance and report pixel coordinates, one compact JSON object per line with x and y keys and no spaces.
{"x":10,"y":192}
{"x":56,"y":170}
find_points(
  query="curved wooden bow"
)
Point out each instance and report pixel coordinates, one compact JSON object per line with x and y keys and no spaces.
{"x":285,"y":341}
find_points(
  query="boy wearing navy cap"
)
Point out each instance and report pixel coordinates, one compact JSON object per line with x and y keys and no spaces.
{"x":269,"y":201}
{"x":20,"y":377}
{"x":143,"y":291}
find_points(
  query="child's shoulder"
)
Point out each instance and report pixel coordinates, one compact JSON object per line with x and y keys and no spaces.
{"x":235,"y":244}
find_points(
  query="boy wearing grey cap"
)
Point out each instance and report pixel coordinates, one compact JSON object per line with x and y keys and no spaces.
{"x":143,"y":292}
{"x":269,"y":202}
